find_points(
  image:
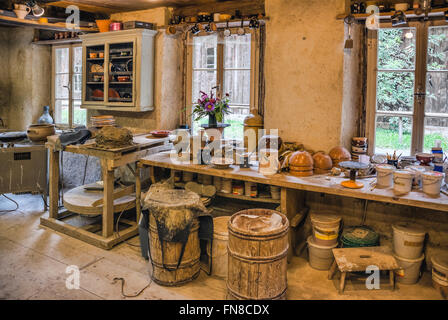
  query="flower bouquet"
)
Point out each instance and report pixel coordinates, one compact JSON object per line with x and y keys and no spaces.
{"x":211,"y":106}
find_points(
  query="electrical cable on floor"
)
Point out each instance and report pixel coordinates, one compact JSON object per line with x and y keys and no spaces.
{"x":118,"y":233}
{"x":127,"y":295}
{"x":11,"y":210}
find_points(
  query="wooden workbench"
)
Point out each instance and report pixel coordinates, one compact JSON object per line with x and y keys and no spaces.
{"x":110,"y":160}
{"x":316,"y":183}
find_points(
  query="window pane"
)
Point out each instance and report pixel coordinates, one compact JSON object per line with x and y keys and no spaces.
{"x":436,"y":92}
{"x":61,"y":111}
{"x":62,"y":60}
{"x":61,"y":86}
{"x":237,"y":51}
{"x":204,"y":52}
{"x":77,"y":59}
{"x":435,"y":129}
{"x":77,"y":85}
{"x":438,"y":48}
{"x":237,"y":84}
{"x":393,"y":134}
{"x":203,"y":81}
{"x":396,"y":48}
{"x":236,"y":120}
{"x":79,"y":115}
{"x":395,"y":91}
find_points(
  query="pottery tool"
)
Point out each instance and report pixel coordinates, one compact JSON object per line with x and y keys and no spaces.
{"x":354,"y":167}
{"x":349,"y":21}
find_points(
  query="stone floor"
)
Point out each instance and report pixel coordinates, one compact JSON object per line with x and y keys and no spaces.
{"x":33,"y":262}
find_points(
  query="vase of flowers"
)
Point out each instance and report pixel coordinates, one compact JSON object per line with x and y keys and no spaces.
{"x":212,"y":107}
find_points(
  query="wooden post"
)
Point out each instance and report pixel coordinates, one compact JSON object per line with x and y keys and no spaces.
{"x":108,"y":204}
{"x":138,"y":191}
{"x":291,"y":202}
{"x":54,"y":183}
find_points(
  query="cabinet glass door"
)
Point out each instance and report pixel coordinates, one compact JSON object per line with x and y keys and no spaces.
{"x":95,"y":73}
{"x":121,"y":76}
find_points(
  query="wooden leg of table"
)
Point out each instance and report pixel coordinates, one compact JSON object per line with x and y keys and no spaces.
{"x":291,"y":202}
{"x":392,"y":279}
{"x":332,"y":270}
{"x":342,"y":282}
{"x":152,"y":175}
{"x":138,"y":191}
{"x":54,"y":184}
{"x":108,"y":200}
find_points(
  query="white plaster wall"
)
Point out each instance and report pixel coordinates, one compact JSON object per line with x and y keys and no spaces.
{"x":304,"y":65}
{"x":26,"y":77}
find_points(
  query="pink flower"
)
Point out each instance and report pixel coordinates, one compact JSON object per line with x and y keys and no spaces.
{"x":209,"y":106}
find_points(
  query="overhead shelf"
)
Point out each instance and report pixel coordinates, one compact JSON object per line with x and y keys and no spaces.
{"x":439,"y":12}
{"x":56,"y":26}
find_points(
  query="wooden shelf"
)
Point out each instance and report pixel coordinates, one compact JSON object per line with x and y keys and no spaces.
{"x":58,"y":41}
{"x":246,"y":198}
{"x":439,"y":12}
{"x":57,"y":26}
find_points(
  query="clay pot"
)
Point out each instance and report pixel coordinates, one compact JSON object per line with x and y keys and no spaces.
{"x":40,"y":132}
{"x":301,"y":161}
{"x":339,"y":154}
{"x":322,"y":161}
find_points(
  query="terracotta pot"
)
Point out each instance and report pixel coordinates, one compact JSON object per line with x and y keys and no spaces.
{"x":339,"y":154}
{"x":103,"y":25}
{"x":322,"y":161}
{"x":301,"y":159}
{"x":40,"y":132}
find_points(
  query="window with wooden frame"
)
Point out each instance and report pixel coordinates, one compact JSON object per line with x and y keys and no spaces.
{"x":229,"y":64}
{"x":407,"y":87}
{"x":67,"y":86}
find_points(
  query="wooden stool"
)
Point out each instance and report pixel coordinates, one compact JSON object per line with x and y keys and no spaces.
{"x":358,"y":259}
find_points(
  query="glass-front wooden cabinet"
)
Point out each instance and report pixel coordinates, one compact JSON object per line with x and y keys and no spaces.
{"x":118,"y":70}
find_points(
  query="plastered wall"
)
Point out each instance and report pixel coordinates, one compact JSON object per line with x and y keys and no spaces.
{"x":304,"y":69}
{"x":25,"y":86}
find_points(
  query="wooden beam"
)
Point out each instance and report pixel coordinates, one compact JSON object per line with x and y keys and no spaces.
{"x":246,"y":7}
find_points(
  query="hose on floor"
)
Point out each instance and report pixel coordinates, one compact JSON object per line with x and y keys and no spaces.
{"x":10,"y":210}
{"x":129,"y":295}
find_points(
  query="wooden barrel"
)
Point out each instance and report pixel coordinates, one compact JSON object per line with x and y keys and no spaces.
{"x":257,"y":256}
{"x":189,"y":267}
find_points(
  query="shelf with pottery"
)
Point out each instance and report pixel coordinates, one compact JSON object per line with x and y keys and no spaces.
{"x":316,"y":183}
{"x":118,"y":70}
{"x":410,"y":14}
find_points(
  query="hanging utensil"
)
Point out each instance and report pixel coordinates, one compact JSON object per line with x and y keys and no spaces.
{"x":227,"y":31}
{"x":349,"y":21}
{"x":241,"y":31}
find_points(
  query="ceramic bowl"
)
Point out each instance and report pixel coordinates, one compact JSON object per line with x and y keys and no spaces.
{"x":322,"y":161}
{"x":301,"y":159}
{"x":221,"y":163}
{"x":424,"y":158}
{"x":339,"y":153}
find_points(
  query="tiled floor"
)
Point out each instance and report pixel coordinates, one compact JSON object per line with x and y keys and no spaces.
{"x":33,"y":262}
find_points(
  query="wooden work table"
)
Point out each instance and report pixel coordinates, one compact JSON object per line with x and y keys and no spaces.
{"x":104,"y":205}
{"x":317,"y":183}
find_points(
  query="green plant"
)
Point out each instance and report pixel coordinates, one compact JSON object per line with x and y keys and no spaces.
{"x":210,"y":105}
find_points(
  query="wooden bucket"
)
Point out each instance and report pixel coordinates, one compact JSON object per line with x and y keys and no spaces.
{"x":189,"y":267}
{"x":257,"y":260}
{"x":219,"y":247}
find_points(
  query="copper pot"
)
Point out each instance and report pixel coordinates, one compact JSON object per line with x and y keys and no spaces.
{"x":40,"y":132}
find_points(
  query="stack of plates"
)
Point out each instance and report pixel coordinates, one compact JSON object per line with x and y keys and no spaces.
{"x":206,"y":201}
{"x":360,"y":236}
{"x":359,"y":147}
{"x":102,"y":121}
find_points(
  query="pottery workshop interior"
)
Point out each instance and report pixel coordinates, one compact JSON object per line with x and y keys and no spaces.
{"x":223,"y":150}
